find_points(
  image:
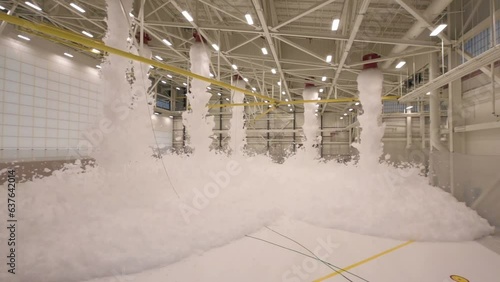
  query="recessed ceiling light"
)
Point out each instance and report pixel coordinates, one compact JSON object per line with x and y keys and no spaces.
{"x":187,"y":16}
{"x":235,"y":67}
{"x":409,"y":107}
{"x":245,"y":79}
{"x":168,"y":43}
{"x":169,"y":76}
{"x":23,"y":37}
{"x":400,"y":64}
{"x":273,"y":71}
{"x":323,"y":78}
{"x":98,"y":66}
{"x":357,"y":103}
{"x":335,"y":24}
{"x":164,"y":82}
{"x":87,"y":34}
{"x":95,"y":51}
{"x":215,"y":46}
{"x":328,"y":58}
{"x":68,"y":55}
{"x":249,"y":19}
{"x":33,"y":5}
{"x":264,"y":50}
{"x":159,"y":58}
{"x":78,"y":8}
{"x":321,"y":90}
{"x":438,"y":29}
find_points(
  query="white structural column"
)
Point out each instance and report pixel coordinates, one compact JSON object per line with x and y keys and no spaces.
{"x":435,"y":108}
{"x":357,"y":23}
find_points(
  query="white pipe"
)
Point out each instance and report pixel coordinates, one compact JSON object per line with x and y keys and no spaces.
{"x":408,"y":132}
{"x":434,"y":9}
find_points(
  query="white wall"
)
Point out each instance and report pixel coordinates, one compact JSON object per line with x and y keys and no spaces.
{"x":163,"y":127}
{"x":46,"y":99}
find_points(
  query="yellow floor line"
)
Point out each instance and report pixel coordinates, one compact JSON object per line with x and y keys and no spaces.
{"x":363,"y":261}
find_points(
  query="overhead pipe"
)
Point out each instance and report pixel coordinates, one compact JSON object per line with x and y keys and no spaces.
{"x":434,"y":9}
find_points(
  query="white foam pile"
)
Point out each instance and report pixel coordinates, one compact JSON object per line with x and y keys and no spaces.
{"x":76,"y":225}
{"x":311,"y":123}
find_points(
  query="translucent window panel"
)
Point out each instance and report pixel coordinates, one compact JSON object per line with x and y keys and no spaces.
{"x":10,"y":119}
{"x":51,"y":143}
{"x":63,"y":88}
{"x":51,"y":123}
{"x":10,"y":130}
{"x":26,"y":121}
{"x":52,"y":85}
{"x":74,"y":126}
{"x":64,"y":116}
{"x":40,"y":82}
{"x":73,"y":116}
{"x":75,"y":82}
{"x":74,"y":134}
{"x":11,"y":86}
{"x":40,"y":112}
{"x":40,"y":92}
{"x":64,"y":79}
{"x":12,"y":75}
{"x":51,"y":133}
{"x":40,"y":122}
{"x":12,"y":64}
{"x":54,"y":76}
{"x":63,"y":97}
{"x":38,"y":142}
{"x":63,"y":133}
{"x":26,"y":110}
{"x":27,"y":79}
{"x":11,"y":108}
{"x":9,"y":142}
{"x":27,"y":90}
{"x":63,"y":124}
{"x":52,"y":104}
{"x":25,"y":143}
{"x":41,"y":72}
{"x":73,"y":99}
{"x":27,"y":69}
{"x":63,"y":106}
{"x":40,"y":102}
{"x":52,"y":114}
{"x":11,"y":97}
{"x":73,"y":108}
{"x":26,"y":100}
{"x":25,"y":132}
{"x":39,"y":132}
{"x":51,"y":94}
{"x":62,"y":143}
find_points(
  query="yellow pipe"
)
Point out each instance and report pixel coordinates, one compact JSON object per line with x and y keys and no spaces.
{"x":95,"y":44}
{"x":298,"y":102}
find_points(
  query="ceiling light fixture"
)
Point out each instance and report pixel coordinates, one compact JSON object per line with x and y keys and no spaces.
{"x":357,"y":103}
{"x":345,"y":114}
{"x":185,"y":84}
{"x":249,"y":19}
{"x":273,"y":71}
{"x":164,"y":82}
{"x":264,"y":50}
{"x":291,"y":110}
{"x":329,"y":58}
{"x":2,"y":8}
{"x":33,"y":5}
{"x":95,"y":51}
{"x":350,"y":110}
{"x":157,"y":113}
{"x":98,"y":66}
{"x":159,"y":58}
{"x":245,"y":79}
{"x":335,"y":24}
{"x":215,"y":46}
{"x":254,"y":89}
{"x":409,"y":107}
{"x":23,"y":37}
{"x":341,"y":117}
{"x":168,"y":43}
{"x":209,"y":88}
{"x":68,"y":55}
{"x":87,"y":34}
{"x":283,"y":92}
{"x":78,"y":8}
{"x":187,"y":16}
{"x":428,"y":93}
{"x":219,"y":94}
{"x":321,"y":90}
{"x":279,"y":83}
{"x":438,"y":29}
{"x":323,"y":78}
{"x":400,"y":64}
{"x":171,"y":116}
{"x":169,"y":76}
{"x":211,"y":75}
{"x":227,"y":99}
{"x":131,"y":15}
{"x":235,"y":67}
{"x":177,"y":88}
